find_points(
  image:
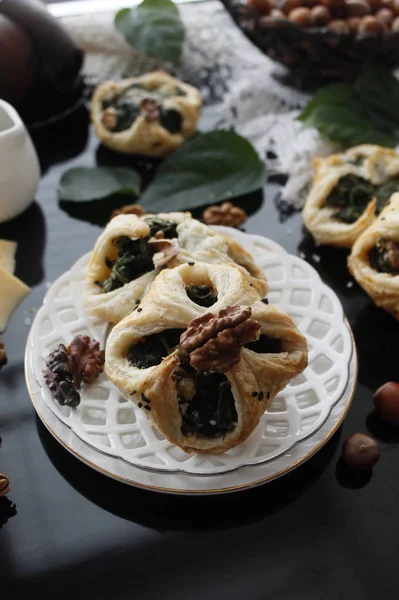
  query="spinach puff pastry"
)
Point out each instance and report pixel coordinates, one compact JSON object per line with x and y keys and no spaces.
{"x":348,"y":191}
{"x":374,"y":260}
{"x":153,"y":114}
{"x":204,"y":357}
{"x":132,"y":250}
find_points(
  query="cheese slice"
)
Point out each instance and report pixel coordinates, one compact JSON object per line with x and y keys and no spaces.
{"x":12,"y":292}
{"x":7,"y":255}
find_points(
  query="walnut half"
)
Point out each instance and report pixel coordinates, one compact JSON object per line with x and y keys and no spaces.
{"x":213,"y":342}
{"x":225,"y":214}
{"x":165,"y":249}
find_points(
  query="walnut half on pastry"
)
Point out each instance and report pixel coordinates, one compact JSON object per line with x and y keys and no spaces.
{"x":205,"y":357}
{"x":348,"y":191}
{"x":152,"y":115}
{"x":130,"y":252}
{"x":374,"y":260}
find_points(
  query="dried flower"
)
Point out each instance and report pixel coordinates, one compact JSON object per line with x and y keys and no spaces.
{"x":86,"y":359}
{"x":4,"y":485}
{"x":59,"y":377}
{"x":3,"y":355}
{"x":129,"y":209}
{"x":213,"y":342}
{"x":225,"y":214}
{"x":67,"y":368}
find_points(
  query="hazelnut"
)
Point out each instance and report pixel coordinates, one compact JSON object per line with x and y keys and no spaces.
{"x":276,"y":13}
{"x":386,"y":401}
{"x":261,"y":6}
{"x":370,"y":25}
{"x":300,"y":16}
{"x":360,"y":451}
{"x":353,"y":24}
{"x":288,"y":5}
{"x":320,"y":15}
{"x":385,"y":15}
{"x":338,"y":26}
{"x":395,"y":24}
{"x":357,"y":8}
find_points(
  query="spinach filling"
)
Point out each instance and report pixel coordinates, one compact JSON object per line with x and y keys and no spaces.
{"x":171,"y":120}
{"x":135,"y":256}
{"x":206,"y":401}
{"x":127,"y":107}
{"x":384,"y":193}
{"x":384,"y":257}
{"x":211,"y":412}
{"x":154,"y":348}
{"x":203,"y":295}
{"x":350,"y":197}
{"x":265,"y":345}
{"x":352,"y":194}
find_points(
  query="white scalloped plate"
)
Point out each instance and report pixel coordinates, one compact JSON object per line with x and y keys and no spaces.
{"x":111,"y":426}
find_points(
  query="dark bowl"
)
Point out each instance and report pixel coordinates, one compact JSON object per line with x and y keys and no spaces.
{"x":314,"y":52}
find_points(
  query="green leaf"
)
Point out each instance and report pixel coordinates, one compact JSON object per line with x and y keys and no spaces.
{"x":83,"y":184}
{"x":209,"y":168}
{"x":339,"y":114}
{"x":154,"y":28}
{"x":378,"y":90}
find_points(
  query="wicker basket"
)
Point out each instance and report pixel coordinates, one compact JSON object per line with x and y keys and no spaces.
{"x":314,"y":52}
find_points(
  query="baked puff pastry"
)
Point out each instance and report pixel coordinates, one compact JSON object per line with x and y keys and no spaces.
{"x":132,"y":250}
{"x":152,"y":115}
{"x":348,"y":191}
{"x":374,"y":260}
{"x":204,"y":357}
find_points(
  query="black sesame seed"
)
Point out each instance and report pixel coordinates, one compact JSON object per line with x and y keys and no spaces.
{"x":137,"y":301}
{"x":265,"y":301}
{"x":254,"y":394}
{"x":139,"y":309}
{"x":147,"y":407}
{"x":261,"y":395}
{"x":139,"y":405}
{"x":132,"y":393}
{"x":191,"y":263}
{"x":143,"y":397}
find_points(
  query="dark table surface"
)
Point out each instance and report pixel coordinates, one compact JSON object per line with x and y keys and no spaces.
{"x":317,"y":533}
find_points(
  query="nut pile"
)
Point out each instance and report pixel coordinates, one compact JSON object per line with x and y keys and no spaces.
{"x":345,"y":17}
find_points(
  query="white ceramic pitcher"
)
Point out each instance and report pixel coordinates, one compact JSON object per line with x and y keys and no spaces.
{"x":19,"y":165}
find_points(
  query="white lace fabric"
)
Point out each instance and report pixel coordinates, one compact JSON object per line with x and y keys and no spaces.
{"x":230,"y":72}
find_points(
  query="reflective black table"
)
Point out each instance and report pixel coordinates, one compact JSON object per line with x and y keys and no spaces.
{"x":318,"y":533}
